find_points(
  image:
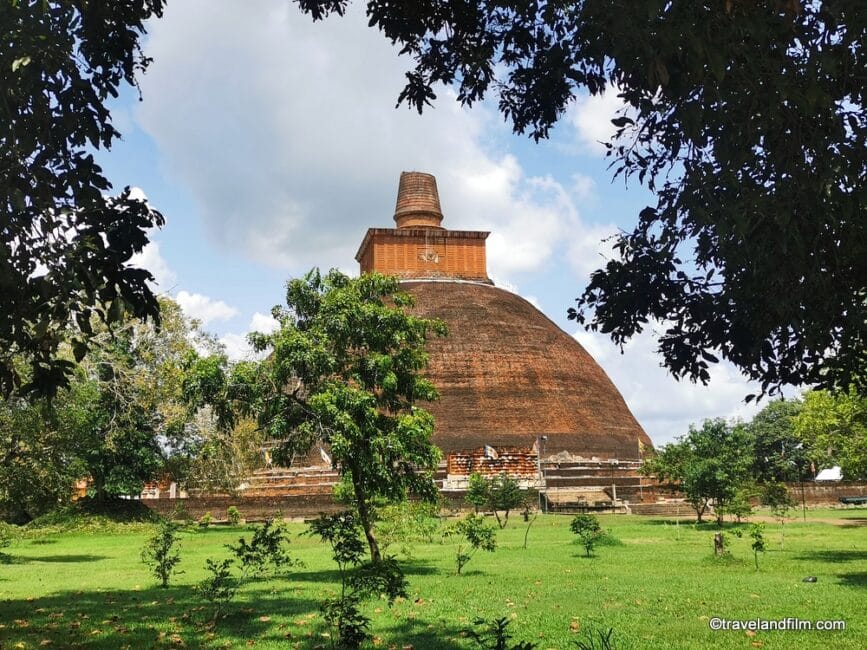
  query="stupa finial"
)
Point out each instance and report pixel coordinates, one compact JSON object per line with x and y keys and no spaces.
{"x":418,"y":202}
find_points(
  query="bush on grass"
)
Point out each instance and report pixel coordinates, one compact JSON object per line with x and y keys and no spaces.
{"x":161,"y":554}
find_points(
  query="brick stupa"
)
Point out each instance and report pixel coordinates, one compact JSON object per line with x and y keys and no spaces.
{"x":511,"y":382}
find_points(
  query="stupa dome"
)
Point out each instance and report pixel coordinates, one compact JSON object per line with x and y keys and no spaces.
{"x":506,"y":374}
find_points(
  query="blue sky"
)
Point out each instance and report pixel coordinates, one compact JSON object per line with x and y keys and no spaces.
{"x":271,"y":144}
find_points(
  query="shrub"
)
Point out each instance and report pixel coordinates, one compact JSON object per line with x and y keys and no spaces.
{"x":588,"y":530}
{"x":494,"y":635}
{"x":267,"y":548}
{"x":758,"y":545}
{"x":598,"y":640}
{"x":343,"y":613}
{"x":499,"y":494}
{"x":475,"y":533}
{"x":407,"y":523}
{"x":219,"y":587}
{"x":161,"y":552}
{"x":206,"y":519}
{"x":6,"y":536}
{"x":233,"y":515}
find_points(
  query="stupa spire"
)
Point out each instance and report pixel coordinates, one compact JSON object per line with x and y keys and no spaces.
{"x":418,"y":202}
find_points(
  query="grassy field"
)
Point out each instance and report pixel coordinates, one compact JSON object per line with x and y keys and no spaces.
{"x":658,"y":588}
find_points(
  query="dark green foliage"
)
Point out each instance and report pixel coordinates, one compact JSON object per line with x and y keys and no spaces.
{"x":494,"y":635}
{"x":343,"y":372}
{"x":476,"y":534}
{"x":745,"y":118}
{"x":740,"y":505}
{"x":6,"y":537}
{"x":505,"y":495}
{"x":219,"y":587}
{"x":588,"y":530}
{"x":758,"y":545}
{"x":65,"y":243}
{"x":477,"y":491}
{"x":37,"y":469}
{"x":358,"y":581}
{"x":778,"y":453}
{"x":499,"y":494}
{"x":709,"y":465}
{"x":233,"y":516}
{"x":265,"y":551}
{"x":161,"y":552}
{"x":206,"y":519}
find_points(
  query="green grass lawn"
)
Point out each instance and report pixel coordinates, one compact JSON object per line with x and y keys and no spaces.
{"x":657,"y":589}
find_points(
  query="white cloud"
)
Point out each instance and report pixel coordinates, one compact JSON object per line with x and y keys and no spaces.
{"x":264,"y":323}
{"x":151,"y":259}
{"x":285,"y":132}
{"x":237,"y":346}
{"x":664,"y":406}
{"x":203,"y":308}
{"x":591,"y":117}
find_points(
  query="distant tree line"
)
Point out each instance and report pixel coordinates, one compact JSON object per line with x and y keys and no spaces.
{"x":725,"y":465}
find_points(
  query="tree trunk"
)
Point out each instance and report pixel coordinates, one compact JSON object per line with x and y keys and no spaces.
{"x":365,"y":519}
{"x":718,"y":544}
{"x":99,"y":489}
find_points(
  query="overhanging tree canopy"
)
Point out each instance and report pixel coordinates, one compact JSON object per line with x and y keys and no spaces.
{"x":746,"y":117}
{"x":65,"y":244}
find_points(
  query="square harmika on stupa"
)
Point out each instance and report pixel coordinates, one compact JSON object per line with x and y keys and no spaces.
{"x":512,"y":384}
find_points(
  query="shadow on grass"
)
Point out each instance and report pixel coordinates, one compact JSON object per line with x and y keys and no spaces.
{"x":63,"y":558}
{"x":832,"y":556}
{"x":420,"y":634}
{"x":150,"y":617}
{"x":854,"y":579}
{"x":410,"y":568}
{"x":854,"y":522}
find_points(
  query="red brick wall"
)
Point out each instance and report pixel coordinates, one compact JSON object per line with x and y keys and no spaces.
{"x":251,"y":508}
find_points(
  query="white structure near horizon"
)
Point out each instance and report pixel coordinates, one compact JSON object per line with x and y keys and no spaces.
{"x":830,"y":474}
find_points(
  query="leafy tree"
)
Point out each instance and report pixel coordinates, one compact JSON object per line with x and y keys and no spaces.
{"x":65,"y":243}
{"x":500,"y":493}
{"x":747,"y":120}
{"x":161,"y":553}
{"x":121,"y":420}
{"x":708,"y":465}
{"x":477,"y":491}
{"x":834,"y":428}
{"x":588,"y":530}
{"x":477,"y":535}
{"x":124,"y":412}
{"x":219,"y":460}
{"x":342,"y":372}
{"x":776,"y":497}
{"x":37,"y":466}
{"x":266,"y":549}
{"x":778,"y":454}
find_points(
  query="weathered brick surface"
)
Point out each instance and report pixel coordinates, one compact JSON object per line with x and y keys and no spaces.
{"x":418,"y":202}
{"x":251,"y":508}
{"x":424,"y":253}
{"x":507,"y":374}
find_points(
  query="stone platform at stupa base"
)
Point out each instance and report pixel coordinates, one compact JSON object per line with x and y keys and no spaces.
{"x":566,"y":486}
